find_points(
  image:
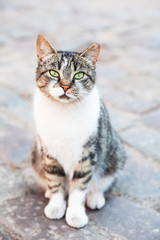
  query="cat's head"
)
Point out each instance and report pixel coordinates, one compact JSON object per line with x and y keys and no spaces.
{"x":65,"y":76}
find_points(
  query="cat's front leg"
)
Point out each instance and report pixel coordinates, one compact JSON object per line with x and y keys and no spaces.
{"x":76,"y":215}
{"x":55,"y":178}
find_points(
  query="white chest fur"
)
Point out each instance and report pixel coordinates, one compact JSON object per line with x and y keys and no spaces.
{"x":64,"y":128}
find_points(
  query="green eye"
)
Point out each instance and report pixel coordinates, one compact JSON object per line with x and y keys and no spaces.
{"x":54,"y":73}
{"x":79,"y":75}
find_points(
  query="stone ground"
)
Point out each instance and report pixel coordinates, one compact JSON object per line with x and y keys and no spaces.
{"x":129,"y":81}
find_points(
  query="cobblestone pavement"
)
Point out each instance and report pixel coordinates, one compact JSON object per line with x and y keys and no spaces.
{"x":128,"y":74}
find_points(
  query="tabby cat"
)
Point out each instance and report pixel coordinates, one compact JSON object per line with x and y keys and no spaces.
{"x":77,"y":153}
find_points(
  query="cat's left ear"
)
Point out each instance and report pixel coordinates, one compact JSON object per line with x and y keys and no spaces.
{"x":44,"y":48}
{"x":92,"y":53}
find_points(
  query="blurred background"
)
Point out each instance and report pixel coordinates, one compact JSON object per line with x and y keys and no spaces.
{"x":128,"y":78}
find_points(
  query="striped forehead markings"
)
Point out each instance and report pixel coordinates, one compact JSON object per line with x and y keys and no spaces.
{"x":65,"y":61}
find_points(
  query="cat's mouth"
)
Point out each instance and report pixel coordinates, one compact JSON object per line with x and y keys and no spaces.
{"x":64,"y":96}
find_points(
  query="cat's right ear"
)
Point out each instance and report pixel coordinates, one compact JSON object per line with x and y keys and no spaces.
{"x":44,"y":48}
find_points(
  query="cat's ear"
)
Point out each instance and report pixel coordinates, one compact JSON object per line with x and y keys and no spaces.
{"x":92,"y":53}
{"x":44,"y":48}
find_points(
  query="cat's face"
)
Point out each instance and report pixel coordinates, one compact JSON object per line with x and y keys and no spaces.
{"x":65,"y":76}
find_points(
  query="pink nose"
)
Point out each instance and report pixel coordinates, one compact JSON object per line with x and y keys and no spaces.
{"x":65,"y":87}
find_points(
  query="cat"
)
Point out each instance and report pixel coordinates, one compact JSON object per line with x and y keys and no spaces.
{"x":76,"y":152}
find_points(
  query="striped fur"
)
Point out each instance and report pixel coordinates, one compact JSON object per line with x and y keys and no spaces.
{"x":77,"y":152}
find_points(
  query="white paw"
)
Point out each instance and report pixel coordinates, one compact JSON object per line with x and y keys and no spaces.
{"x":47,"y":194}
{"x":55,"y":210}
{"x":76,"y":218}
{"x":95,"y":200}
